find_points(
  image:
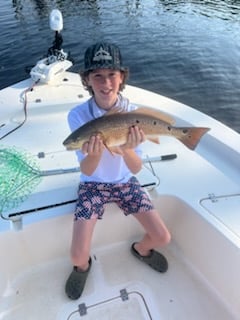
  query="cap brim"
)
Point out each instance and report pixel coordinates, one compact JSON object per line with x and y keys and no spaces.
{"x":95,"y":67}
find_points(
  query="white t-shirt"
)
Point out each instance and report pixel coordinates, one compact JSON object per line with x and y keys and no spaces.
{"x":111,"y":169}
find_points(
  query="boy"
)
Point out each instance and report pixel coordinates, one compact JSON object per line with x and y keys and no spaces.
{"x":105,"y":178}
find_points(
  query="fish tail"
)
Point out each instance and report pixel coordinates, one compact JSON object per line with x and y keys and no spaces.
{"x":191,"y":136}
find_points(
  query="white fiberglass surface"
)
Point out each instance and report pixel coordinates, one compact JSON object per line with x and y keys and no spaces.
{"x":38,"y":292}
{"x":225,"y":209}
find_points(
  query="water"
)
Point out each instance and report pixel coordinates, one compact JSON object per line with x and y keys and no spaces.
{"x":186,"y":50}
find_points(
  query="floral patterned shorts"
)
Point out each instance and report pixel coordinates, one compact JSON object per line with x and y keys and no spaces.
{"x":92,"y":197}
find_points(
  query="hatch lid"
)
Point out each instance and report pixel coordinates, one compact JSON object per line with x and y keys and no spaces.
{"x":225,"y":208}
{"x":130,"y":305}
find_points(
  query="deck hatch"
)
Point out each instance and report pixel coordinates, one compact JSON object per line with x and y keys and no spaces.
{"x":127,"y":305}
{"x":226,"y":209}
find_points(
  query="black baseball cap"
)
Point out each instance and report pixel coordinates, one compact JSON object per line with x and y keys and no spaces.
{"x":103,"y":55}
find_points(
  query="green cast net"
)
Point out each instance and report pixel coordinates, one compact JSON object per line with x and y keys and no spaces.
{"x":19,"y":175}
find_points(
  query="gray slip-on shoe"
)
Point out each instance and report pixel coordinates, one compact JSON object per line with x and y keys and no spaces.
{"x":76,"y":282}
{"x":155,"y":259}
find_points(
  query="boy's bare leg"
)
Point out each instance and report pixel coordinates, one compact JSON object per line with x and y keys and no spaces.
{"x":157,"y":234}
{"x":81,"y":242}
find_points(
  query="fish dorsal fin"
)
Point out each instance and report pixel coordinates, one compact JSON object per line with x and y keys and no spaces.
{"x":145,"y":111}
{"x":155,"y":113}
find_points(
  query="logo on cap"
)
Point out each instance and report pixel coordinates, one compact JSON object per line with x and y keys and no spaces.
{"x":102,"y":55}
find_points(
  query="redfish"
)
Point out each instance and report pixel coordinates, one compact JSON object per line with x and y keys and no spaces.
{"x":113,"y":129}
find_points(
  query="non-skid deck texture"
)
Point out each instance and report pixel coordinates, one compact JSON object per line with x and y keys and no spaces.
{"x":119,"y":287}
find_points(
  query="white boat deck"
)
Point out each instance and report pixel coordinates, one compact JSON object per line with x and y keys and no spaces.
{"x":198,"y":198}
{"x":38,"y":292}
{"x":196,"y":285}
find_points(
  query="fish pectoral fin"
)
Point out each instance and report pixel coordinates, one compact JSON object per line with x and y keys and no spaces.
{"x":155,"y":113}
{"x":109,"y":149}
{"x":154,"y":139}
{"x":116,"y":150}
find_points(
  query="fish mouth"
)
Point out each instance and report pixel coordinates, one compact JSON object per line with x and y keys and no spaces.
{"x":69,"y":145}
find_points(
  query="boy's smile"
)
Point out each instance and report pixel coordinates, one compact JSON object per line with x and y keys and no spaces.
{"x":105,"y":84}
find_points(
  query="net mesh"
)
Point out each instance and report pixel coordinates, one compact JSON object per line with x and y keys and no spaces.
{"x":19,"y":175}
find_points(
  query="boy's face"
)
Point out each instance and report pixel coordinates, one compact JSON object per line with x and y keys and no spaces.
{"x":105,"y":84}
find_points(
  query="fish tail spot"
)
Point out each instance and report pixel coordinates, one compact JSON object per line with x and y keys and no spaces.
{"x":192,"y":136}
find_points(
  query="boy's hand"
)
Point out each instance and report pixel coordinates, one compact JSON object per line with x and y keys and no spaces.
{"x":135,"y":137}
{"x":93,"y":147}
